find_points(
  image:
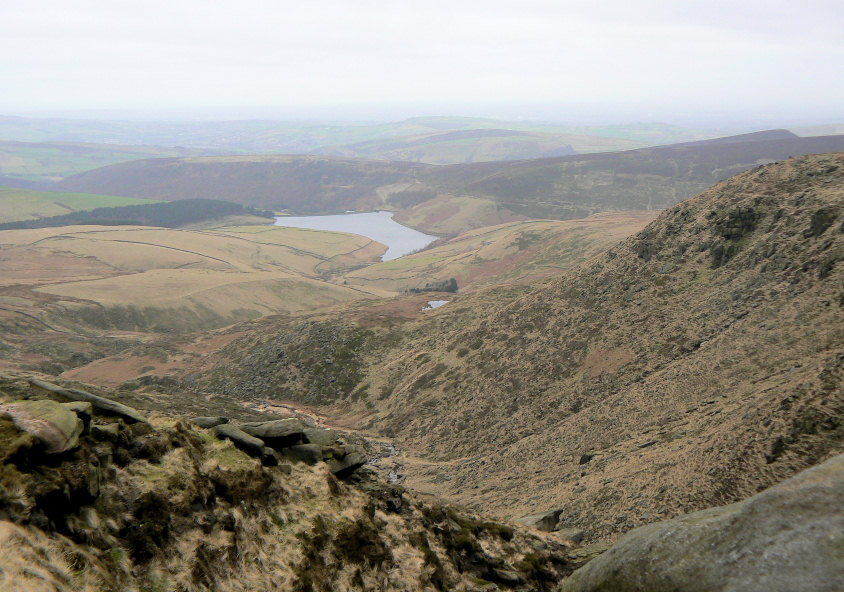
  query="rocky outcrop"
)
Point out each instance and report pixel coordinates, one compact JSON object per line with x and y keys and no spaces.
{"x":209,"y":422}
{"x":787,"y":538}
{"x":100,"y":404}
{"x":55,"y":426}
{"x":345,"y":460}
{"x":278,"y":434}
{"x":290,"y":438}
{"x":249,"y":444}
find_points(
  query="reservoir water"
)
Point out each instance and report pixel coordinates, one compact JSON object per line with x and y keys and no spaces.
{"x":379,"y":226}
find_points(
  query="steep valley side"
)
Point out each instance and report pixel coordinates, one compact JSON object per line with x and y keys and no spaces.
{"x":694,"y":364}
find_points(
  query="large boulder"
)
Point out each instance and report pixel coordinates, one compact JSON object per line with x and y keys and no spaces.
{"x":321,"y":436}
{"x":345,"y":460}
{"x":546,"y":521}
{"x":249,"y":444}
{"x":787,"y":538}
{"x":209,"y":421}
{"x":99,"y":404}
{"x":277,"y":434}
{"x":57,"y":427}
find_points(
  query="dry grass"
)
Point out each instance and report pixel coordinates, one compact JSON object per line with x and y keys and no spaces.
{"x":517,"y":252}
{"x":692,"y":383}
{"x":219,"y":275}
{"x":198,"y":515}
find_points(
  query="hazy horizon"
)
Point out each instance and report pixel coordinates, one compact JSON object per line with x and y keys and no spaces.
{"x":715,"y":64}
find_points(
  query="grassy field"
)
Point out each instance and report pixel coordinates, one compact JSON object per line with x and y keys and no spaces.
{"x":517,"y":252}
{"x":52,"y":161}
{"x":139,"y":278}
{"x":23,"y":204}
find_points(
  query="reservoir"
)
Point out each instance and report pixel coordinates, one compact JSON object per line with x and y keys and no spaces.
{"x":378,"y":226}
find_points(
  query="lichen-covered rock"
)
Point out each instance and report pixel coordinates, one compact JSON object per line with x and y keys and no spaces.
{"x":101,"y":404}
{"x":209,"y":422}
{"x":321,"y":436}
{"x":546,"y":521}
{"x":249,"y":444}
{"x":57,"y":427}
{"x":352,"y":459}
{"x":787,"y":538}
{"x":83,"y":410}
{"x":13,"y":442}
{"x":277,"y":434}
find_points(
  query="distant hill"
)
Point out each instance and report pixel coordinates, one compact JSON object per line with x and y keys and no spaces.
{"x":35,"y":165}
{"x":690,"y":366}
{"x":559,"y":188}
{"x":647,"y":178}
{"x":477,"y":145}
{"x":301,"y":184}
{"x":264,"y":136}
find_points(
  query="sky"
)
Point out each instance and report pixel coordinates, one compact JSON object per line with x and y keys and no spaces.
{"x":612,"y":61}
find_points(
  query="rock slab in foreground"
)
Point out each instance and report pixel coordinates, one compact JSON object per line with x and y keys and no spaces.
{"x":788,"y":538}
{"x":57,"y":427}
{"x":101,"y":404}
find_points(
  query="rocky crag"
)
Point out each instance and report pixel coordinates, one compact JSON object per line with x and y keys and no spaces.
{"x":96,"y":496}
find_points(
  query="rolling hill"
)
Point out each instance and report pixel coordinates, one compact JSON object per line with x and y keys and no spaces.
{"x":559,"y":188}
{"x":265,"y":136}
{"x":37,"y":164}
{"x":450,"y":147}
{"x":691,"y":365}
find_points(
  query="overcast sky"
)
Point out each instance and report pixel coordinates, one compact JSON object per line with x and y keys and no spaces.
{"x":613,"y":60}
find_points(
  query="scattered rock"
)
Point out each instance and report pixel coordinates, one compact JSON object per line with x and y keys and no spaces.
{"x":101,"y":404}
{"x":57,"y":427}
{"x":277,"y":434}
{"x":648,"y":443}
{"x":789,"y":537}
{"x":585,"y":458}
{"x":209,"y":422}
{"x":546,"y":521}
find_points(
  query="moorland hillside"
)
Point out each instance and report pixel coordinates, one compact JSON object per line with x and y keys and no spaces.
{"x":560,"y":188}
{"x":691,"y":365}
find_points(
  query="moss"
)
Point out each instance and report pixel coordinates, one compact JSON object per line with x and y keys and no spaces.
{"x":534,"y":568}
{"x":500,"y":530}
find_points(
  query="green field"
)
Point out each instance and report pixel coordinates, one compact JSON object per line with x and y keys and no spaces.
{"x":48,"y":162}
{"x":23,"y":204}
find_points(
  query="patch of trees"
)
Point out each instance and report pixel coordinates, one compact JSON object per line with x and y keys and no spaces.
{"x":167,"y":215}
{"x":449,"y":285}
